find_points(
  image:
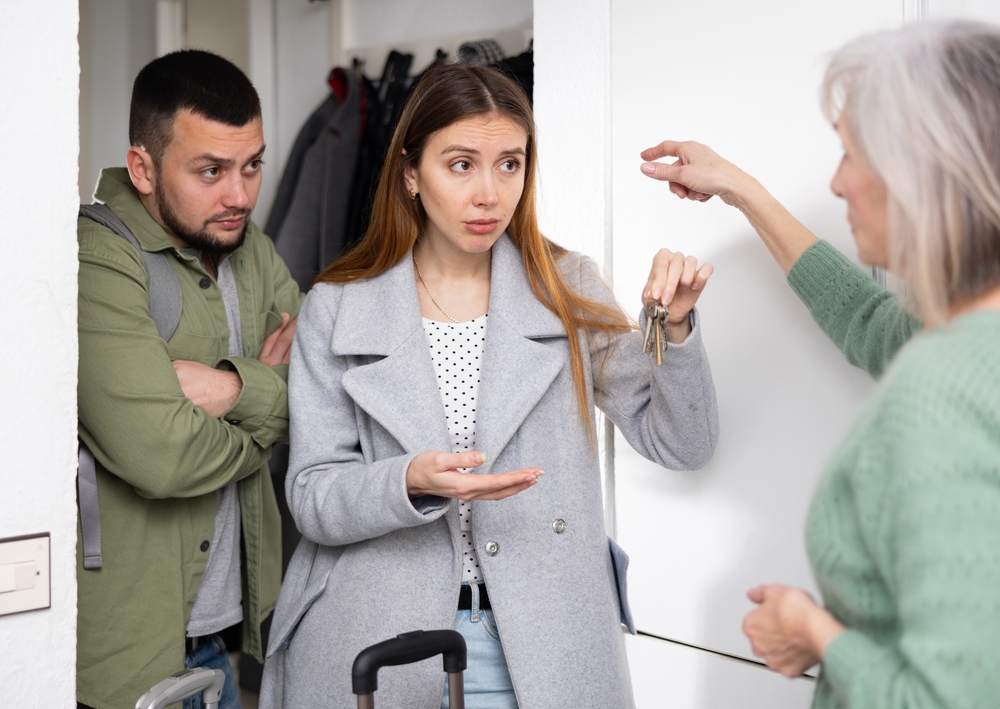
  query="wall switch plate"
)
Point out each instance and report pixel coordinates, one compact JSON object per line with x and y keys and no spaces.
{"x":24,"y":574}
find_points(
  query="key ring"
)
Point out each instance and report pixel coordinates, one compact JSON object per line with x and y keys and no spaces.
{"x":655,"y":337}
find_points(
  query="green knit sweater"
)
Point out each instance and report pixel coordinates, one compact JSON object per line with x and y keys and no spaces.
{"x":866,"y":322}
{"x":904,"y":529}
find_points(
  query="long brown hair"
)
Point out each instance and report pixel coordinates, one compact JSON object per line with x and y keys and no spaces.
{"x":444,"y":95}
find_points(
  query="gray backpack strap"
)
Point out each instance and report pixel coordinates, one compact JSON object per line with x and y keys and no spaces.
{"x":90,"y":513}
{"x":165,"y":299}
{"x":165,"y":305}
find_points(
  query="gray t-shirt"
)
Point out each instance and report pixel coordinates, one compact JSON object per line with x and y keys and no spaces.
{"x":218,"y":604}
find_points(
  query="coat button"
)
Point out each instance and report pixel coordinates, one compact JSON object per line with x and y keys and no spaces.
{"x":559,"y":526}
{"x":205,"y":283}
{"x":205,"y":545}
{"x":492,"y":548}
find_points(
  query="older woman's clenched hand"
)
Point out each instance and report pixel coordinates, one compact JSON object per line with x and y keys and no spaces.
{"x":788,"y":629}
{"x":439,"y":473}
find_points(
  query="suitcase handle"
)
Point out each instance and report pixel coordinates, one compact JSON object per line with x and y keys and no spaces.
{"x":404,"y":649}
{"x":184,"y":684}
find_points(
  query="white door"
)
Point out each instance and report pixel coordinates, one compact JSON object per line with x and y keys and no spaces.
{"x":613,"y":78}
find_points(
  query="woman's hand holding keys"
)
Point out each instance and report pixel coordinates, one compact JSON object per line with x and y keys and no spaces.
{"x":676,"y":281}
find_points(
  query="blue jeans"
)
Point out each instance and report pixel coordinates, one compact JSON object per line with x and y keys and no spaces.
{"x":214,"y":656}
{"x":487,"y":681}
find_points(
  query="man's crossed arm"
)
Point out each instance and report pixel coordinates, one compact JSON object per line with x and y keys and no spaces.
{"x":216,"y":390}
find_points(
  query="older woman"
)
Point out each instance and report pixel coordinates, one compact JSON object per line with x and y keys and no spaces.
{"x":904,"y":529}
{"x":456,"y":339}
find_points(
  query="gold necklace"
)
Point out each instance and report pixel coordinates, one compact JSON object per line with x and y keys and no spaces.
{"x":421,"y":277}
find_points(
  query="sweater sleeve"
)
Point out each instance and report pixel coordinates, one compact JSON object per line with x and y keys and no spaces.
{"x":867,"y":323}
{"x":937,"y":546}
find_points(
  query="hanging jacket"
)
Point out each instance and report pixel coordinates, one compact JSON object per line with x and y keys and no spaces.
{"x":521,"y":68}
{"x":384,"y":108}
{"x":309,"y":215}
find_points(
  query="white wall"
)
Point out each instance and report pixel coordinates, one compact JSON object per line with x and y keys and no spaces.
{"x":38,"y":198}
{"x":302,"y":62}
{"x":572,"y":94}
{"x":369,"y":30}
{"x":374,"y":22}
{"x":786,"y":395}
{"x":572,"y":91}
{"x":117,"y":38}
{"x":261,"y":43}
{"x":220,"y":26}
{"x":982,"y":10}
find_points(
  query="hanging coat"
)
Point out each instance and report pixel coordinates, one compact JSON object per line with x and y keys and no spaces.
{"x":309,"y":215}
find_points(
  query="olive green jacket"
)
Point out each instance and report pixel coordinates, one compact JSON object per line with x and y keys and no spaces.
{"x":160,"y":459}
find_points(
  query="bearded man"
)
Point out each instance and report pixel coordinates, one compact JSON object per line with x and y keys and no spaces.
{"x":181,"y":429}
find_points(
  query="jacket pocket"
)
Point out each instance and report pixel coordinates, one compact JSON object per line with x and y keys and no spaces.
{"x":269,"y":322}
{"x":207,"y":349}
{"x":619,"y":562}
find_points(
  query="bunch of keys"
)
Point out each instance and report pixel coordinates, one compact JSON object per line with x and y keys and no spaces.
{"x":655,"y":339}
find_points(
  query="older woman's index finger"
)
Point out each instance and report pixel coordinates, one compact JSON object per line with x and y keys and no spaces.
{"x":666,"y":149}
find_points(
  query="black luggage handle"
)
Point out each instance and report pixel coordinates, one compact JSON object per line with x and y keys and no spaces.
{"x":404,"y":649}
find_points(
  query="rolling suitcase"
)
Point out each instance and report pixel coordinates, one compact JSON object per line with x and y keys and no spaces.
{"x":404,"y":649}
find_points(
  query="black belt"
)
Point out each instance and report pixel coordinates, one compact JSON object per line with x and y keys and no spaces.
{"x":465,"y":598}
{"x":193,"y":643}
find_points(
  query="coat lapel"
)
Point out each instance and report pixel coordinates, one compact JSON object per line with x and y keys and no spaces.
{"x":380,"y":316}
{"x":517,"y":369}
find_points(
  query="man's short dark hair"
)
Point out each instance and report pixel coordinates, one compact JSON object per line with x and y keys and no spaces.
{"x":202,"y":82}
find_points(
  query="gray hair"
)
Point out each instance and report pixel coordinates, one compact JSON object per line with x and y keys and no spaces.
{"x":922,"y":104}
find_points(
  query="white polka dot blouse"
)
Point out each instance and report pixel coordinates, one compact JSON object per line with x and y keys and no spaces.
{"x":457,"y":351}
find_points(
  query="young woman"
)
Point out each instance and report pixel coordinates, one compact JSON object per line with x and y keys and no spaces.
{"x":442,"y":392}
{"x":903,"y":531}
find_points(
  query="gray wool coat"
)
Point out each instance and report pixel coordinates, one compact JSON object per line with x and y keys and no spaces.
{"x":372,"y":564}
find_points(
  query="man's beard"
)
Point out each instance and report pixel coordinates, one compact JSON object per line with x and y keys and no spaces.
{"x":202,"y":240}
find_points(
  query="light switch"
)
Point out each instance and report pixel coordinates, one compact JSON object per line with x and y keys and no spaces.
{"x":24,"y":576}
{"x":24,"y":573}
{"x":18,"y":577}
{"x":8,"y":580}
